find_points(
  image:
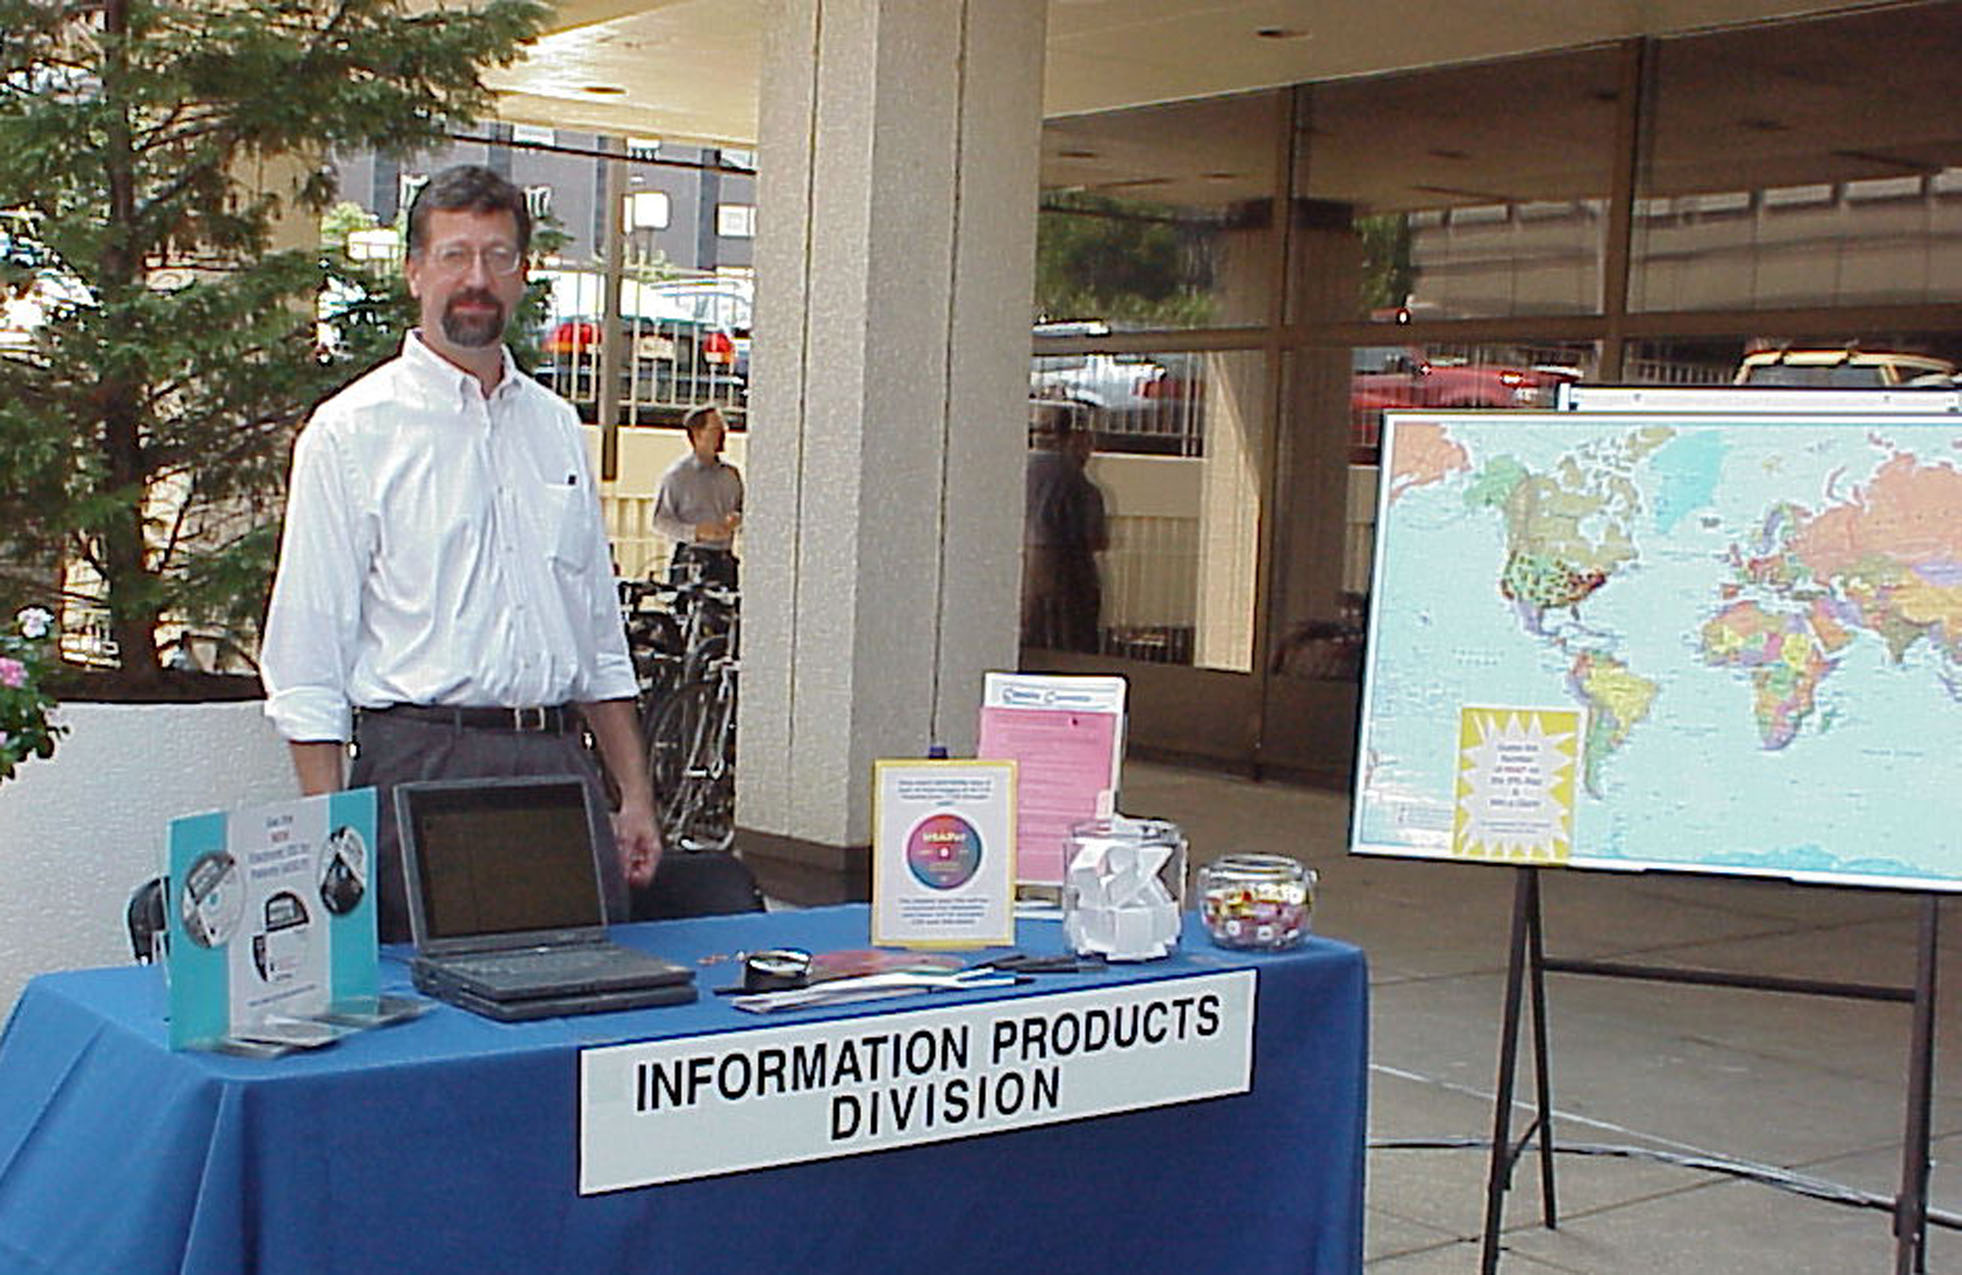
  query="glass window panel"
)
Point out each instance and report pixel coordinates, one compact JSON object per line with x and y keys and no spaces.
{"x":1804,"y":163}
{"x":1159,"y":217}
{"x":1464,"y":192}
{"x":1173,"y":474}
{"x":1879,"y":361}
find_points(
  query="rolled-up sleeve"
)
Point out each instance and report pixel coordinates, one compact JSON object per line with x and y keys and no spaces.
{"x":613,"y":674}
{"x":311,"y":626}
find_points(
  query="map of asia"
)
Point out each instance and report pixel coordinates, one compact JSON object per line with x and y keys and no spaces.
{"x":1719,"y":644}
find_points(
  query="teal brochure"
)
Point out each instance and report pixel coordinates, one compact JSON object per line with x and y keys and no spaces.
{"x":272,"y":914}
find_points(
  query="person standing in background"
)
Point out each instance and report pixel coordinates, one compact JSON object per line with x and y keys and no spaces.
{"x":699,"y":504}
{"x":1063,"y":531}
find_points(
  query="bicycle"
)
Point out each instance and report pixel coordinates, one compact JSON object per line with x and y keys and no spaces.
{"x":691,"y":733}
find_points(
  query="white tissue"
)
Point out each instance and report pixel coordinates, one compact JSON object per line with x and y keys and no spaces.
{"x":1121,"y":910}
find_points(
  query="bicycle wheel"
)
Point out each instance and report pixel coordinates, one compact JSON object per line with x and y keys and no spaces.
{"x":704,"y":817}
{"x":699,"y":663}
{"x":670,"y":738}
{"x":694,"y":787}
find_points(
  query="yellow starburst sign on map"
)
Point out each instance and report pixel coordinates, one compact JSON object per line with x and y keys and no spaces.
{"x":1515,"y":789}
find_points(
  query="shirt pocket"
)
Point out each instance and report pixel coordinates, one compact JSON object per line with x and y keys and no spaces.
{"x":563,"y":510}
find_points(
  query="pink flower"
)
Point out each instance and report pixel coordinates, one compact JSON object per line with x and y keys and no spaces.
{"x":12,"y":673}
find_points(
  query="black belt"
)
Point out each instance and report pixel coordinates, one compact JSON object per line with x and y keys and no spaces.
{"x":554,"y":719}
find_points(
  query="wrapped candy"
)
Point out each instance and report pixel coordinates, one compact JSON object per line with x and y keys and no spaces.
{"x":1259,"y":901}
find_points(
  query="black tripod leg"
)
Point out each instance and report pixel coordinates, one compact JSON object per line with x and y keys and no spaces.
{"x":1535,"y":937}
{"x":1911,"y":1205}
{"x":1524,"y":898}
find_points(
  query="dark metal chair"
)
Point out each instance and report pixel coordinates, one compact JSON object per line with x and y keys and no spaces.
{"x":149,"y":929}
{"x":700,"y":883}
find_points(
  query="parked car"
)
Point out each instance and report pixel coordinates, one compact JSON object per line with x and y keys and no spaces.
{"x":668,"y":366}
{"x":725,"y":303}
{"x":1383,"y":378}
{"x":1844,"y":369}
{"x":1109,"y":383}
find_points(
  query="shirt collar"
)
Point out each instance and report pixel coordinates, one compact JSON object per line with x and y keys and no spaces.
{"x":445,"y":379}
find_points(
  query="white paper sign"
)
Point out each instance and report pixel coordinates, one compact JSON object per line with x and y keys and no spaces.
{"x":670,"y":1110}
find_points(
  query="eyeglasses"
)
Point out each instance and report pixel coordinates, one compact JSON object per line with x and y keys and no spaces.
{"x":500,"y":259}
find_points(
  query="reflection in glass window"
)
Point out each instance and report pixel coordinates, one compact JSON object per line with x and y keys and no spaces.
{"x":1143,"y":510}
{"x":1385,"y":378}
{"x":1159,"y":217}
{"x":1804,"y":163}
{"x":1892,"y":361}
{"x":1457,"y":193}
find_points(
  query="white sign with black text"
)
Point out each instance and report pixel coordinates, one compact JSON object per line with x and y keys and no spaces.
{"x":695,"y":1106}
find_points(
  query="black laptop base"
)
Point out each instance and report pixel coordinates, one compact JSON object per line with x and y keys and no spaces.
{"x":524,"y":1009}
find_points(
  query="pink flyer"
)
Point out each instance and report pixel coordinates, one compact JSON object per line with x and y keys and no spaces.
{"x":1066,"y":736}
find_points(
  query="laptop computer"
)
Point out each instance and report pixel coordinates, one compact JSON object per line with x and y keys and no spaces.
{"x":505,"y":902}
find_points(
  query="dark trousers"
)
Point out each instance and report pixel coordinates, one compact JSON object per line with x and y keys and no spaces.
{"x":1062,"y":598}
{"x":393,"y":750}
{"x":717,"y":566}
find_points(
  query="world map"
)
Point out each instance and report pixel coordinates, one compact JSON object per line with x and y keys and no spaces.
{"x":1758,"y":619}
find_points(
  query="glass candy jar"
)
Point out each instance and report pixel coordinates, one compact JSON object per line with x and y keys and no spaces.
{"x":1124,"y":889}
{"x":1257,"y":901}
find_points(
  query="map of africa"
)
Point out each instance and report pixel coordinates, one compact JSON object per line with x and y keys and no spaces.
{"x":1757,"y":620}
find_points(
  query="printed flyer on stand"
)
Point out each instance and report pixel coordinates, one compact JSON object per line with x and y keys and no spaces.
{"x":271,"y":915}
{"x":1066,"y":735}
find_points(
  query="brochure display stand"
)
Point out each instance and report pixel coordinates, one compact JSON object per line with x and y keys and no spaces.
{"x":272,"y":922}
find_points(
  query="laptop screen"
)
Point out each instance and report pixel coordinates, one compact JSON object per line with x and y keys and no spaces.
{"x":501,"y":857}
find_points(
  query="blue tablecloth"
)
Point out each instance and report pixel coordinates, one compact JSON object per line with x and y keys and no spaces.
{"x":448,"y":1145}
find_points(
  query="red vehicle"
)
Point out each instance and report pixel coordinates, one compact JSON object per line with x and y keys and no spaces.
{"x":1396,"y":376}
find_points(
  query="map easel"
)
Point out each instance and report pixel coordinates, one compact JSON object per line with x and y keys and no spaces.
{"x":1526,"y":970}
{"x":1654,"y":618}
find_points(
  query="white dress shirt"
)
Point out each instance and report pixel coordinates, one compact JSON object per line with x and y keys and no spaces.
{"x":441,"y":547}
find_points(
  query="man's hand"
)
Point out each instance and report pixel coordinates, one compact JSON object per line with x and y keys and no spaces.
{"x":639,"y":843}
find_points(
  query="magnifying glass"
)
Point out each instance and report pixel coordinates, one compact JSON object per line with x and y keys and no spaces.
{"x":776,"y":969}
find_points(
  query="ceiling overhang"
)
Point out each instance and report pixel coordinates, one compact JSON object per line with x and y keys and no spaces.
{"x":688,"y":70}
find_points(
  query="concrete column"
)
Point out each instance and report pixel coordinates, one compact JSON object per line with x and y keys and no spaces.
{"x":898,"y":148}
{"x":1235,"y":475}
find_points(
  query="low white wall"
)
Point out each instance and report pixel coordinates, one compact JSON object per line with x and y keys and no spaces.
{"x":80,"y":830}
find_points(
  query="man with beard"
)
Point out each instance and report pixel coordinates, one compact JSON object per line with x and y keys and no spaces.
{"x":445,"y":598}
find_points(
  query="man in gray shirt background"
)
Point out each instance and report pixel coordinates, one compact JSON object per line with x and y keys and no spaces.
{"x":700,"y":502}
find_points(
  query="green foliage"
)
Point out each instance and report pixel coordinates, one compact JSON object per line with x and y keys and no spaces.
{"x":154,"y":147}
{"x":1389,"y":275}
{"x":1123,"y":261}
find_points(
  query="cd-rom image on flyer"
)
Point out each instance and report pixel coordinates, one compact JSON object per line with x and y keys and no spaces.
{"x":944,"y":851}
